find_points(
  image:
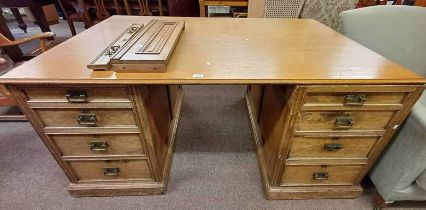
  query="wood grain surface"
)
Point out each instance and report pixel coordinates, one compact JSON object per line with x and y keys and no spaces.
{"x":224,"y":51}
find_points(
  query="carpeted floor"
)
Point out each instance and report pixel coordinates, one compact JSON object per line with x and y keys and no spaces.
{"x":214,"y":166}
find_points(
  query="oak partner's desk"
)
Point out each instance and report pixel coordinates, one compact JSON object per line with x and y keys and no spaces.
{"x":322,"y":107}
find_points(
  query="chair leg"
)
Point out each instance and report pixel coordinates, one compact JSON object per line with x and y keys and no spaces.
{"x":380,"y":202}
{"x":72,"y":28}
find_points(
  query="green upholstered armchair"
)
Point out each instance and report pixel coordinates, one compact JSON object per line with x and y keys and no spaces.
{"x":399,"y":34}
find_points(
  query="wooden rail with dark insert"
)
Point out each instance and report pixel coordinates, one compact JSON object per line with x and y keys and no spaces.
{"x":141,"y":48}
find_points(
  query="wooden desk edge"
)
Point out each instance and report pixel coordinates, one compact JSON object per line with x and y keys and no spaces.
{"x":12,"y":81}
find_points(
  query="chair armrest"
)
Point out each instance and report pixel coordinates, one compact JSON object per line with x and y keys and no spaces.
{"x":42,"y":36}
{"x":403,"y":160}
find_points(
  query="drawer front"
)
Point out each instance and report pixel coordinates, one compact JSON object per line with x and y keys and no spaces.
{"x":331,"y":147}
{"x":336,"y":120}
{"x":82,"y":117}
{"x":95,"y":145}
{"x":295,"y":175}
{"x":77,"y":94}
{"x":354,"y":99}
{"x":111,"y":170}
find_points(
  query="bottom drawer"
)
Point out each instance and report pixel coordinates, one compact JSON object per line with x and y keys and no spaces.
{"x":99,"y":170}
{"x":295,"y":175}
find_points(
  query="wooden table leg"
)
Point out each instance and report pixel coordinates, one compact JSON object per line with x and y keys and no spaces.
{"x":202,"y":9}
{"x":18,"y":17}
{"x":117,"y":7}
{"x":127,"y":6}
{"x":160,"y":7}
{"x":38,"y":13}
{"x":14,"y":52}
{"x":379,"y":201}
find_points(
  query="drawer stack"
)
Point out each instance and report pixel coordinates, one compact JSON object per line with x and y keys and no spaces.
{"x":335,"y":132}
{"x":323,"y":139}
{"x":94,"y":130}
{"x":101,"y":136}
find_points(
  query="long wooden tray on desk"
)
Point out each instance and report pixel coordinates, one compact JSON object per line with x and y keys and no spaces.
{"x":141,"y":48}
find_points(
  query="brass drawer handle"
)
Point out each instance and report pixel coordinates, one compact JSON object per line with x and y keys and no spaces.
{"x":100,"y":146}
{"x":111,"y":171}
{"x":344,"y":122}
{"x":88,"y":120}
{"x":333,"y":147}
{"x":76,"y":96}
{"x":320,"y":176}
{"x":354,"y":100}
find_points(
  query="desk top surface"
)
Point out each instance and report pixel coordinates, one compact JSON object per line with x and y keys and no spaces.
{"x":224,"y":51}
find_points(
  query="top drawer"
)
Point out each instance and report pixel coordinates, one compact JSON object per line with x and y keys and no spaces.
{"x":77,"y":95}
{"x":356,"y":97}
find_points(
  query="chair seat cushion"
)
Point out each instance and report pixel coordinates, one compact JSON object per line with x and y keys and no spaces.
{"x":421,"y":180}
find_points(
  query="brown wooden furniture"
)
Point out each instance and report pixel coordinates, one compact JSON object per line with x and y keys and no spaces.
{"x":183,"y":8}
{"x":36,"y":9}
{"x":18,"y":17}
{"x":123,"y":7}
{"x":232,"y":3}
{"x":368,"y":3}
{"x":5,"y":42}
{"x":78,"y":10}
{"x":73,"y":12}
{"x":362,"y":3}
{"x":421,"y":3}
{"x":322,"y":107}
{"x":5,"y":98}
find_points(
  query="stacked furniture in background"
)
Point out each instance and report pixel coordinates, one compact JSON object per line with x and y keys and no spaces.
{"x":368,"y":3}
{"x":92,"y":12}
{"x":283,"y":9}
{"x":5,"y":98}
{"x":324,"y":11}
{"x":232,"y":3}
{"x":396,"y":33}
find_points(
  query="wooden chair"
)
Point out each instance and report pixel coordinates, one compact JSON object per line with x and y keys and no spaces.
{"x":5,"y":98}
{"x":74,"y":11}
{"x":143,"y":6}
{"x":283,"y":8}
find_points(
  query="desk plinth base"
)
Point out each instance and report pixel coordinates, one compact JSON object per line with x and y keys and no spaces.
{"x":83,"y":190}
{"x":283,"y":193}
{"x":323,"y":192}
